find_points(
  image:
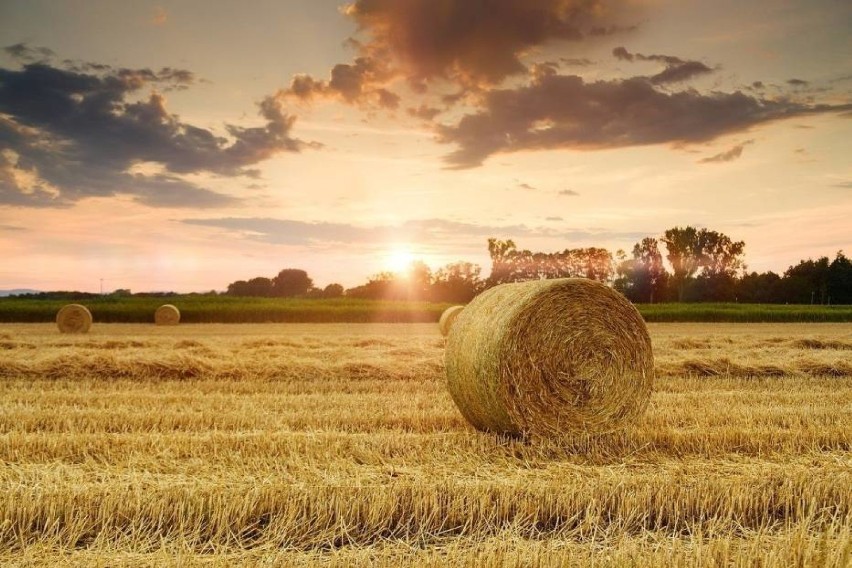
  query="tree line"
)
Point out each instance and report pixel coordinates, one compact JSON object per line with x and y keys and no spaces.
{"x":703,"y":266}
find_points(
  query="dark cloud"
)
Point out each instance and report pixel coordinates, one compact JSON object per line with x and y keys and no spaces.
{"x":798,"y":82}
{"x":554,"y":219}
{"x":27,"y":53}
{"x":67,"y":134}
{"x":568,"y":193}
{"x":680,"y":72}
{"x":470,"y":43}
{"x":544,"y":69}
{"x":526,"y":186}
{"x":562,"y":111}
{"x":300,"y":233}
{"x":676,"y":69}
{"x":12,"y":228}
{"x":387,"y":99}
{"x":361,"y":83}
{"x":844,"y":184}
{"x":474,"y":42}
{"x":728,"y":155}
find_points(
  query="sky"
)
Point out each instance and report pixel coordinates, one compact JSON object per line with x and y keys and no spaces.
{"x":184,"y":145}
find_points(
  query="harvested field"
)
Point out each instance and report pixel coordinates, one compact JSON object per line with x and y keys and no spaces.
{"x":338,"y":444}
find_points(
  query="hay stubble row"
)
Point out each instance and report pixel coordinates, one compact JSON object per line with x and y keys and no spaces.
{"x":339,"y":444}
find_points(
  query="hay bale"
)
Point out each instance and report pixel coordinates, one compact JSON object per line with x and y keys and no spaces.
{"x":447,"y":319}
{"x":167,"y":314}
{"x":74,"y":318}
{"x":550,"y":357}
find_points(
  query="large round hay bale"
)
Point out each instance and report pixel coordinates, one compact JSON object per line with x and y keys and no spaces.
{"x":447,"y":319}
{"x":167,"y":314}
{"x":550,"y":357}
{"x":74,"y":318}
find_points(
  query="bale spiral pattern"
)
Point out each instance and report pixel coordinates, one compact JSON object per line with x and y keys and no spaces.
{"x":550,"y":357}
{"x":167,"y":314}
{"x":74,"y":318}
{"x":447,"y":318}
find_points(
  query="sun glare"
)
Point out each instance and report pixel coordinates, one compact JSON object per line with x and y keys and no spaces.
{"x":399,"y":259}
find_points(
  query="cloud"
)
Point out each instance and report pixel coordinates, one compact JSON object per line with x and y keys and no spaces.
{"x":676,"y":70}
{"x":728,"y":155}
{"x":554,"y":219}
{"x":71,"y":133}
{"x":843,"y":184}
{"x":11,"y":228}
{"x":451,"y":42}
{"x":798,"y":82}
{"x":565,"y":112}
{"x":24,"y":52}
{"x":568,"y":193}
{"x":300,"y":233}
{"x":526,"y":186}
{"x":361,"y":83}
{"x":471,"y":44}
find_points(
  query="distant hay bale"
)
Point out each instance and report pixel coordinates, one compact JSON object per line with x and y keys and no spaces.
{"x":447,"y":319}
{"x":74,"y":318}
{"x":167,"y":314}
{"x":550,"y":357}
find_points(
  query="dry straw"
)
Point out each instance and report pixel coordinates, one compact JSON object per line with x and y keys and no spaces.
{"x":167,"y":314}
{"x":447,"y":318}
{"x":550,"y":357}
{"x":74,"y":318}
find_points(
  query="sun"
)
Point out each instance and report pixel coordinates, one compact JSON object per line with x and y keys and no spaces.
{"x":399,"y":259}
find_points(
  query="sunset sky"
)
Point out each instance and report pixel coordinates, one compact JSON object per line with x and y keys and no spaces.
{"x":184,"y":145}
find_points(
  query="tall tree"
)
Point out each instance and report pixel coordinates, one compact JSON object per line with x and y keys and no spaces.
{"x":259,"y":286}
{"x":719,"y":254}
{"x":291,"y":282}
{"x":840,"y":280}
{"x":415,"y":282}
{"x":690,"y":249}
{"x":683,"y":253}
{"x":332,"y":291}
{"x":759,"y":288}
{"x":378,"y":287}
{"x":807,"y":282}
{"x":500,"y":265}
{"x":647,"y":254}
{"x":456,"y":282}
{"x":643,"y":278}
{"x":508,"y":264}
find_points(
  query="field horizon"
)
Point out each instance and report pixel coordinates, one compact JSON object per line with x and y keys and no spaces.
{"x":228,"y":309}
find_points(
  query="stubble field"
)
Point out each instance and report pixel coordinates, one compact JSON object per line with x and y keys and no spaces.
{"x":338,"y":444}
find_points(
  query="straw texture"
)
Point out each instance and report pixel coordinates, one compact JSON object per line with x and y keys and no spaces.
{"x":447,"y":318}
{"x":74,"y":318}
{"x":550,"y":357}
{"x":167,"y":314}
